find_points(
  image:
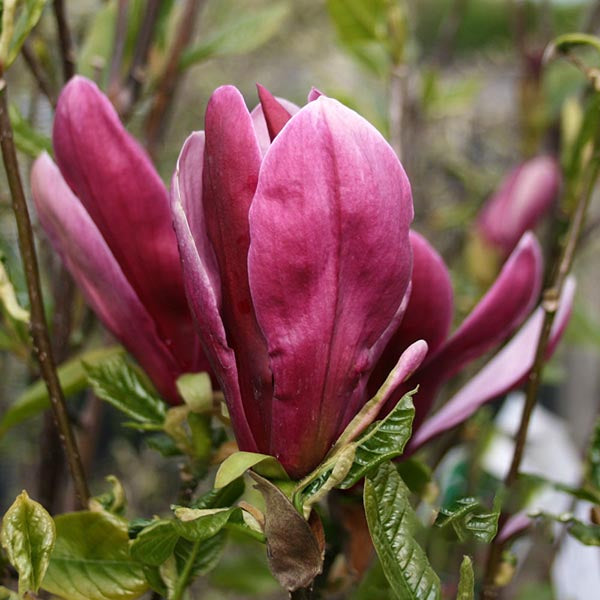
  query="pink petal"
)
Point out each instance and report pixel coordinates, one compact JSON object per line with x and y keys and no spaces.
{"x":429,"y":312}
{"x":85,"y":253}
{"x":507,"y":370}
{"x":514,"y":526}
{"x":324,"y":284}
{"x":276,"y":116}
{"x":521,"y":201}
{"x":260,"y":123}
{"x":231,"y":163}
{"x":314,"y":94}
{"x":495,"y":317}
{"x":119,"y":188}
{"x":202,"y":282}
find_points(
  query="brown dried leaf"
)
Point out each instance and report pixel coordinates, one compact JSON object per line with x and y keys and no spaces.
{"x":294,"y":555}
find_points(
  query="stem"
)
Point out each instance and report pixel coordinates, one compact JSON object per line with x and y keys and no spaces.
{"x":165,"y":91}
{"x":182,"y":580}
{"x":67,"y":52}
{"x":38,"y":326}
{"x":36,"y":69}
{"x":549,"y":304}
{"x":136,"y":75}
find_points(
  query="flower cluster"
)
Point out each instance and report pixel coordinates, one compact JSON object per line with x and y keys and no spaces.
{"x":305,"y":283}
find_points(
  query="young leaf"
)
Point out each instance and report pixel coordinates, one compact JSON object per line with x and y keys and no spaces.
{"x":466,"y":584}
{"x":196,"y":391}
{"x":237,"y":464}
{"x":392,"y":523}
{"x":470,"y":520}
{"x":91,"y":559}
{"x":28,"y":535}
{"x":241,"y":35}
{"x":8,"y":298}
{"x":154,"y":544}
{"x":123,"y":386}
{"x":6,"y":594}
{"x":72,"y":380}
{"x":29,"y":13}
{"x":198,"y":558}
{"x":383,"y":440}
{"x":197,"y":524}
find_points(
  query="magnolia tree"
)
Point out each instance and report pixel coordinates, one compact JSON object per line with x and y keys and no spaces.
{"x":284,"y":328}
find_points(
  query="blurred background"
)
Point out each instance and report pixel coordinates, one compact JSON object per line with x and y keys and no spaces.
{"x":461,"y":90}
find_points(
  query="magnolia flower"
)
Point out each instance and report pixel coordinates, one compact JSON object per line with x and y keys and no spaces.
{"x":106,"y":212}
{"x":522,"y":199}
{"x":296,"y":263}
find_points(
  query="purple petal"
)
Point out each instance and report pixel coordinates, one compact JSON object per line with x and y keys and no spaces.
{"x":231,"y":164}
{"x":332,"y":199}
{"x":84,"y":251}
{"x":314,"y":94}
{"x":521,"y":201}
{"x":276,"y":116}
{"x":514,"y":526}
{"x":507,"y":370}
{"x":202,"y":282}
{"x":495,"y":317}
{"x":429,"y":312}
{"x":119,"y":188}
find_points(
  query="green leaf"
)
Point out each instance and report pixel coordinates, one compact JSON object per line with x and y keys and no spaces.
{"x":415,"y":473}
{"x":16,"y":32}
{"x":97,"y":46}
{"x":197,"y":524}
{"x":392,"y":523}
{"x":221,"y":497}
{"x":238,"y":463}
{"x":6,"y":594}
{"x":113,"y":501}
{"x":469,"y":520}
{"x":374,"y":585}
{"x":72,"y":379}
{"x":27,"y":139}
{"x":466,"y":584}
{"x":196,"y":391}
{"x":28,"y":535}
{"x":383,"y":440}
{"x":91,"y":559}
{"x":154,"y":544}
{"x":241,"y":35}
{"x":199,"y":557}
{"x":123,"y":386}
{"x":587,"y":533}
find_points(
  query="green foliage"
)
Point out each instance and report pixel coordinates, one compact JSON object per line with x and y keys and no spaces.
{"x":128,"y":390}
{"x":240,"y":34}
{"x":91,"y":559}
{"x":196,"y":391}
{"x":469,"y":520}
{"x":28,"y":535}
{"x":466,"y":584}
{"x":73,"y":379}
{"x":113,"y":501}
{"x":237,"y":464}
{"x":393,"y":523}
{"x":593,"y":461}
{"x":587,"y":533}
{"x":27,"y":139}
{"x":17,"y":23}
{"x":374,"y":585}
{"x":155,"y":543}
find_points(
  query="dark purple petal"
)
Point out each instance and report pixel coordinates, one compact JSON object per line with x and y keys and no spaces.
{"x":84,"y":251}
{"x":275,"y":114}
{"x":260,"y":123}
{"x":324,"y":284}
{"x":119,"y":188}
{"x":507,"y":370}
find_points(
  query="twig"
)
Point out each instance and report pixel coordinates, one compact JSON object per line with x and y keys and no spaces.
{"x":165,"y":91}
{"x":137,"y":71}
{"x":67,"y":52}
{"x":38,"y":73}
{"x":448,"y":32}
{"x":114,"y":71}
{"x":550,"y":305}
{"x":38,"y":326}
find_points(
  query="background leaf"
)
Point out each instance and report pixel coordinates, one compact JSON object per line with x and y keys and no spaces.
{"x":29,"y":15}
{"x":127,"y":389}
{"x":470,"y":520}
{"x":392,"y":523}
{"x":28,"y":535}
{"x":91,"y":559}
{"x":466,"y":584}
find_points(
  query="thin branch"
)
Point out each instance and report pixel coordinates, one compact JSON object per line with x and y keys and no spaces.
{"x":36,"y":69}
{"x":38,"y":326}
{"x":550,"y":305}
{"x":114,"y":72}
{"x":67,"y":51}
{"x":137,"y":72}
{"x":165,"y":91}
